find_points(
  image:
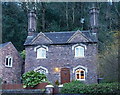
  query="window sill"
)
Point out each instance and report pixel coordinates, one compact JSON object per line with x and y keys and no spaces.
{"x":40,"y":58}
{"x":80,"y":79}
{"x":79,"y":57}
{"x":8,"y":66}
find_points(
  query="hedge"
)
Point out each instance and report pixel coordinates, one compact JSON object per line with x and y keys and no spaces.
{"x":103,"y":88}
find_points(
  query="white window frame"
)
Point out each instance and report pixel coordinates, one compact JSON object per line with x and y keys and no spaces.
{"x":81,"y":51}
{"x":9,"y":57}
{"x":40,"y":67}
{"x":83,"y":68}
{"x":39,"y":49}
{"x":41,"y":53}
{"x":79,"y":75}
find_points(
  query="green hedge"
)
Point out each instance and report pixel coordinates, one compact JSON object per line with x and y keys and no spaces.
{"x":103,"y":88}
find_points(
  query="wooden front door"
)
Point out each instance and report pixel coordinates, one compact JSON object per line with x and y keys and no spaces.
{"x":65,"y":75}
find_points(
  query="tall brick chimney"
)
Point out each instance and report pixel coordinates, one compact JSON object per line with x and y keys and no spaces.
{"x":31,"y":22}
{"x":94,"y":12}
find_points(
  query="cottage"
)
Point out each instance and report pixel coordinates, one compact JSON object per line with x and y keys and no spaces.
{"x":10,"y":64}
{"x":63,"y":56}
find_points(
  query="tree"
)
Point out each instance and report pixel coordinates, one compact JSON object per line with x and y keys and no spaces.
{"x":108,"y":60}
{"x":14,"y":24}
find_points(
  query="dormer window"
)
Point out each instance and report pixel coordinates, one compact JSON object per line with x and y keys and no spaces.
{"x":41,"y":53}
{"x":8,"y":61}
{"x":79,"y":51}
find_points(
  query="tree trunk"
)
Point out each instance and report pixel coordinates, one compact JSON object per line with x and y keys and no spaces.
{"x":73,"y":13}
{"x":43,"y":16}
{"x":67,"y":15}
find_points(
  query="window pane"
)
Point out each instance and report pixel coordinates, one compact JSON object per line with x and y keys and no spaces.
{"x":41,"y":53}
{"x":82,"y":77}
{"x":82,"y":74}
{"x":41,"y":71}
{"x":77,"y":75}
{"x":79,"y":51}
{"x":82,"y":52}
{"x":7,"y":61}
{"x":10,"y":61}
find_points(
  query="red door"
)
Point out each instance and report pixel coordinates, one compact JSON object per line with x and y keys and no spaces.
{"x":65,"y":75}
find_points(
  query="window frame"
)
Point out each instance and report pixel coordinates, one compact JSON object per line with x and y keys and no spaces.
{"x":41,"y":50}
{"x":80,"y":74}
{"x":79,"y":47}
{"x":43,"y":68}
{"x":9,"y":57}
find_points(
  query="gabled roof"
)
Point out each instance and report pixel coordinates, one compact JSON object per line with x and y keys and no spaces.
{"x":61,"y":37}
{"x":4,"y":44}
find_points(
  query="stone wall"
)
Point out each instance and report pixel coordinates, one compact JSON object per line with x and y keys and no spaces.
{"x":63,"y":56}
{"x":11,"y":74}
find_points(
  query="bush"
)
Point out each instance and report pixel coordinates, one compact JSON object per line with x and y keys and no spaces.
{"x":103,"y":88}
{"x":32,"y":78}
{"x":22,"y":54}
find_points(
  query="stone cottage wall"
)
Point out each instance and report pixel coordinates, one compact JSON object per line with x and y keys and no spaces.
{"x":11,"y":74}
{"x":63,"y":56}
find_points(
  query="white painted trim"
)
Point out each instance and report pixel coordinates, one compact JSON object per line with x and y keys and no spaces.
{"x":47,"y":86}
{"x":42,"y":68}
{"x":78,"y":31}
{"x":81,"y":79}
{"x":83,"y":45}
{"x":8,"y":61}
{"x":43,"y":35}
{"x":79,"y":66}
{"x":61,"y":85}
{"x":40,"y":46}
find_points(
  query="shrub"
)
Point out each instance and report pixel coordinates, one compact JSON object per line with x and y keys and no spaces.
{"x":0,"y":81}
{"x":103,"y":88}
{"x":56,"y":82}
{"x":22,"y":54}
{"x":32,"y":78}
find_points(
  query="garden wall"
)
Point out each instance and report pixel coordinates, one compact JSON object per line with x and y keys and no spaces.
{"x":20,"y":86}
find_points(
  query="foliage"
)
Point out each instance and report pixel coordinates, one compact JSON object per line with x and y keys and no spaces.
{"x":23,"y":54}
{"x":108,"y":60}
{"x":14,"y":24}
{"x":32,"y":78}
{"x":62,"y":16}
{"x":102,"y":88}
{"x":0,"y":80}
{"x":56,"y":82}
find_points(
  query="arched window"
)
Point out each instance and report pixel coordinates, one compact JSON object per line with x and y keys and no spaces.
{"x":41,"y":53}
{"x":79,"y":51}
{"x":8,"y":61}
{"x":41,"y":70}
{"x":80,"y":74}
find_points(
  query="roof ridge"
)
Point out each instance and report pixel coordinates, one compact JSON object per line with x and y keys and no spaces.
{"x":4,"y":44}
{"x":60,"y":32}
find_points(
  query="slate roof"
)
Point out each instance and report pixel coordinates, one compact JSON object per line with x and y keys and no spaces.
{"x":61,"y":37}
{"x":4,"y":44}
